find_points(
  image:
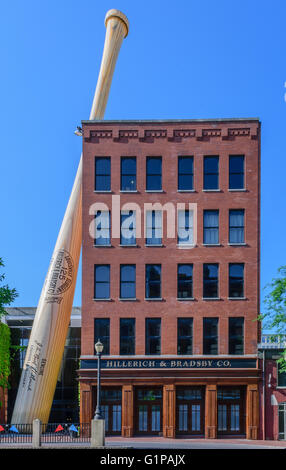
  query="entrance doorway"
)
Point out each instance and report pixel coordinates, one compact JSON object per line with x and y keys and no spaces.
{"x":111,"y":399}
{"x":230,"y":410}
{"x":148,"y":411}
{"x":190,"y":410}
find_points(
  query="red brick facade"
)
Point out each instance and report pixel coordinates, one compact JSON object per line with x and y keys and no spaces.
{"x":170,"y":139}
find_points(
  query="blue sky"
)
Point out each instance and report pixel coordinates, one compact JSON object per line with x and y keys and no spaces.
{"x":187,"y":59}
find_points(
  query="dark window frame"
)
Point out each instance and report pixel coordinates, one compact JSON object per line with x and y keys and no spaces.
{"x":208,"y":336}
{"x":148,"y":337}
{"x":101,"y":282}
{"x":207,"y":229}
{"x":130,"y":340}
{"x":181,"y":173}
{"x":233,"y":282}
{"x":182,"y":339}
{"x":236,"y":227}
{"x":105,"y":339}
{"x":209,"y":281}
{"x":207,"y":172}
{"x":152,"y":281}
{"x":236,"y":340}
{"x":231,"y":173}
{"x":96,"y":174}
{"x":149,"y":174}
{"x":122,"y":174}
{"x":133,"y":282}
{"x":181,"y":282}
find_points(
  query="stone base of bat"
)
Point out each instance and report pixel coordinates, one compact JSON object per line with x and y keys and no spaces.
{"x":97,"y":433}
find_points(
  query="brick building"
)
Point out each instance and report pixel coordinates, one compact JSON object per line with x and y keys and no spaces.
{"x":172,"y":290}
{"x":272,"y":387}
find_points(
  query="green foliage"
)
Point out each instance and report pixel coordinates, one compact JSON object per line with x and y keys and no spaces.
{"x":5,"y":344}
{"x":7,"y":295}
{"x":274,"y":317}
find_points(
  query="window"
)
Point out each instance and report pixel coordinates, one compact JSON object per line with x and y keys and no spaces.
{"x":102,"y":174}
{"x":127,"y":336}
{"x":154,"y":174}
{"x":185,"y":227}
{"x":127,"y":281}
{"x":211,"y":227}
{"x":210,"y":288}
{"x":185,"y":281}
{"x":102,"y":228}
{"x":185,"y":336}
{"x":153,"y":281}
{"x":236,"y":335}
{"x":128,"y":228}
{"x":153,"y":335}
{"x":128,"y":173}
{"x":236,"y":226}
{"x":153,"y":227}
{"x":236,"y":280}
{"x":236,"y":172}
{"x":185,"y":174}
{"x":211,"y":172}
{"x":210,"y":335}
{"x":281,"y":376}
{"x":101,"y":281}
{"x":102,"y":332}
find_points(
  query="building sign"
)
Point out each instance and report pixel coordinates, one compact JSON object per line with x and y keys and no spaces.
{"x":170,"y":363}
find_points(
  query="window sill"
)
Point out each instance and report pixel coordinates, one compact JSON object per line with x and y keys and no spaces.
{"x":211,"y":298}
{"x":102,"y":300}
{"x":133,"y":299}
{"x":102,"y":246}
{"x":239,"y":190}
{"x":212,"y":191}
{"x":212,"y":244}
{"x":186,"y":245}
{"x":186,"y":191}
{"x":129,"y":191}
{"x":102,"y":191}
{"x":236,"y":298}
{"x":154,"y":191}
{"x":154,"y":300}
{"x":158,"y":245}
{"x":237,"y":244}
{"x":129,"y":246}
{"x":185,"y":298}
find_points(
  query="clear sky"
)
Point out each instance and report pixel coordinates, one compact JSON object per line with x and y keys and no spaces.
{"x":183,"y":60}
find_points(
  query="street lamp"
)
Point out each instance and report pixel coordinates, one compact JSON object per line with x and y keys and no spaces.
{"x":99,"y":349}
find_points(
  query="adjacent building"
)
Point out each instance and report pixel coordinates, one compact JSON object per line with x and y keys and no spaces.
{"x":272,"y":387}
{"x":170,"y":276}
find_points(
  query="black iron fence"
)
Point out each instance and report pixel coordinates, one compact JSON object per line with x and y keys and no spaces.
{"x":16,"y":433}
{"x":65,"y":433}
{"x":51,"y":433}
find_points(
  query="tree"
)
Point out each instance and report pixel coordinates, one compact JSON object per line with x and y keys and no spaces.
{"x":275,"y":315}
{"x":7,"y":296}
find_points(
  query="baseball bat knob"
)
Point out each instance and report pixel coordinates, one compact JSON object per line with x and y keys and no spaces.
{"x":117,"y":14}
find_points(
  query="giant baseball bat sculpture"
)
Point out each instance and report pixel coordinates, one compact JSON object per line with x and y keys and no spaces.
{"x":48,"y":335}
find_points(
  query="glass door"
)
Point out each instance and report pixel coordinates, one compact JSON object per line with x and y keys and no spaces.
{"x":148,"y":411}
{"x":190,"y":410}
{"x":282,"y":421}
{"x":230,"y":410}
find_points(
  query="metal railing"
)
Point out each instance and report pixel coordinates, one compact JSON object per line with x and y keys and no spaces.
{"x":272,"y":341}
{"x":16,"y":433}
{"x":65,"y":433}
{"x":51,"y":433}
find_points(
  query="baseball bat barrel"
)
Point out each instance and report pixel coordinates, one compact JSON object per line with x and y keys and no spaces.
{"x":47,"y":340}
